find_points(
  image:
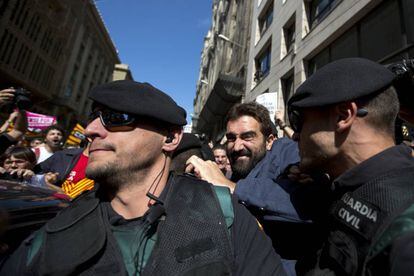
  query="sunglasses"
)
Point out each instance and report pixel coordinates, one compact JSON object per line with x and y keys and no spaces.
{"x":113,"y":120}
{"x":295,"y":119}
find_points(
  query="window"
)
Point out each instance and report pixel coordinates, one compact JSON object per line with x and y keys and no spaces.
{"x":287,"y":87}
{"x":71,"y":84}
{"x":319,"y":9}
{"x":378,"y":36}
{"x":47,"y":41}
{"x":263,"y":63}
{"x":265,"y":19}
{"x":6,"y":48}
{"x":18,"y":12}
{"x":21,"y":58}
{"x":289,"y":35}
{"x":381,"y":32}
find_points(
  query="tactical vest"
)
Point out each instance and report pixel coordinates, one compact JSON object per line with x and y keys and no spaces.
{"x":360,"y":218}
{"x":192,"y":236}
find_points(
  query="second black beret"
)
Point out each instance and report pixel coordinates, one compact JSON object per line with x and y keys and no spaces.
{"x":342,"y":80}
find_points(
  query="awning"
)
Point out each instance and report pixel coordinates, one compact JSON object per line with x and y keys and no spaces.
{"x":226,"y":92}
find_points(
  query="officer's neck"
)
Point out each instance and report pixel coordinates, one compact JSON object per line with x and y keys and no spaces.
{"x":360,"y":145}
{"x":131,"y":200}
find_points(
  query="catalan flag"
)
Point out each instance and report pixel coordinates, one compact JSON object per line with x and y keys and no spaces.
{"x":76,"y":136}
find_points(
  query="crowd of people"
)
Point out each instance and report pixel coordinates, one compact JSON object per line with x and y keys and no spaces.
{"x":334,"y":196}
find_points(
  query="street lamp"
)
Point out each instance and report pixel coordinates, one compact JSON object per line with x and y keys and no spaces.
{"x":225,"y":38}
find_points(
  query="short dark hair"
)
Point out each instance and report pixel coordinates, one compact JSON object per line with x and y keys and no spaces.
{"x":53,"y":127}
{"x":382,"y":110}
{"x":21,"y":153}
{"x":178,"y":162}
{"x":218,"y":147}
{"x":255,"y":110}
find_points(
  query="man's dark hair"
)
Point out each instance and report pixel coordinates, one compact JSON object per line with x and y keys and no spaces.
{"x":255,"y":110}
{"x":382,"y":110}
{"x":219,"y":147}
{"x":53,"y":127}
{"x":20,"y":153}
{"x":178,"y":162}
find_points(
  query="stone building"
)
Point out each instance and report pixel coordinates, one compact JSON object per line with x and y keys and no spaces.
{"x":290,"y":39}
{"x":122,"y":72}
{"x":58,"y":50}
{"x":293,"y":38}
{"x":223,"y":66}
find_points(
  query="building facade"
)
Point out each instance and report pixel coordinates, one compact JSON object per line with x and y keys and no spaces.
{"x":291,"y":39}
{"x":58,"y":50}
{"x":223,"y":66}
{"x":122,"y":72}
{"x":304,"y":35}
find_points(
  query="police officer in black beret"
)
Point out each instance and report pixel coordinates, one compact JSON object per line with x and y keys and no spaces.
{"x":343,"y":116}
{"x":141,"y":220}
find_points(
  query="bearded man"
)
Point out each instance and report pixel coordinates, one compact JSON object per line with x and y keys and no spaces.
{"x":258,"y":162}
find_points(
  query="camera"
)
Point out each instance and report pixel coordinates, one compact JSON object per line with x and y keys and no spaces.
{"x":404,"y":82}
{"x":404,"y":85}
{"x":21,"y":100}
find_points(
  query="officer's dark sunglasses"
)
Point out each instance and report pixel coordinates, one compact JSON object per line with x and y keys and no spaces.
{"x":295,"y":119}
{"x":113,"y":120}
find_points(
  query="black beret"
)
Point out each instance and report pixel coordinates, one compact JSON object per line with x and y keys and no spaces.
{"x":141,"y":99}
{"x":342,"y":80}
{"x":189,"y":141}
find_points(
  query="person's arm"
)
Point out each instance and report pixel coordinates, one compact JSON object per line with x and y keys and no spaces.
{"x":273,"y":198}
{"x":279,"y":119}
{"x":208,"y":171}
{"x":254,"y":254}
{"x":20,"y":126}
{"x":50,"y":181}
{"x":9,"y":121}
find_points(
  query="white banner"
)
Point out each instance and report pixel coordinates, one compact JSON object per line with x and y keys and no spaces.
{"x":269,"y":100}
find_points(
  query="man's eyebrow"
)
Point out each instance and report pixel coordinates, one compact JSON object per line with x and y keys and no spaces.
{"x":248,"y":133}
{"x":244,"y":134}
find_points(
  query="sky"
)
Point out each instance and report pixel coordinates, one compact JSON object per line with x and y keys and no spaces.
{"x":161,"y":41}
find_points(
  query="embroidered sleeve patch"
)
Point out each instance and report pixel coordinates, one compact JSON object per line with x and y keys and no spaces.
{"x":359,"y":215}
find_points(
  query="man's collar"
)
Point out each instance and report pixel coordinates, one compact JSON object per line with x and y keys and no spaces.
{"x":380,"y":164}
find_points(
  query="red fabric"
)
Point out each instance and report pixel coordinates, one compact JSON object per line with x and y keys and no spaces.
{"x":37,"y":152}
{"x":78,"y":172}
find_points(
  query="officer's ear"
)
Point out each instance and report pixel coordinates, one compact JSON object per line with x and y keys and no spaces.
{"x":172,"y":139}
{"x":346,"y":113}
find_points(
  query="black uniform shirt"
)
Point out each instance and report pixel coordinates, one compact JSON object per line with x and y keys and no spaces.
{"x":253,"y":251}
{"x":396,"y":157}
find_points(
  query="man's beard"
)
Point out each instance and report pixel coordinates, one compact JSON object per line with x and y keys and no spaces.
{"x":54,"y":145}
{"x":113,"y":175}
{"x":241,"y":168}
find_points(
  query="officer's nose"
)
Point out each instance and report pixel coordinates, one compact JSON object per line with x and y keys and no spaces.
{"x":95,"y":129}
